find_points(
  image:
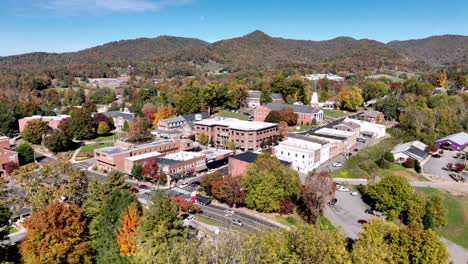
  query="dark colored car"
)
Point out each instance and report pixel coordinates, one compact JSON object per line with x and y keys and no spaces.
{"x":195,"y":184}
{"x":356,"y":150}
{"x":362,"y":221}
{"x":134,"y":190}
{"x":332,"y":201}
{"x":142,"y":186}
{"x":203,"y":200}
{"x":436,"y":156}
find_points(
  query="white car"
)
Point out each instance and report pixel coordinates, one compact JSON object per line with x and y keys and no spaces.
{"x":228,"y":212}
{"x":183,"y":185}
{"x":338,"y":164}
{"x":354,"y":193}
{"x":190,"y":218}
{"x":343,"y":189}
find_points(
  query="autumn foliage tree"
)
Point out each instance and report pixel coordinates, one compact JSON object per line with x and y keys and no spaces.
{"x":150,"y":170}
{"x":138,"y":130}
{"x":34,"y":130}
{"x":164,"y":111}
{"x":149,"y":110}
{"x":228,"y":190}
{"x":186,"y":206}
{"x":56,"y":234}
{"x":318,"y":189}
{"x":126,"y":234}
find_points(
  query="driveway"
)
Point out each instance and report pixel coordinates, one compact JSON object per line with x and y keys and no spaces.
{"x":435,"y":166}
{"x":346,"y":213}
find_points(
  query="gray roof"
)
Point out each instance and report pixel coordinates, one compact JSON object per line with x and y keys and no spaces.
{"x":371,"y":113}
{"x":254,"y":94}
{"x":191,"y":117}
{"x":117,"y":114}
{"x":173,"y":119}
{"x":296,"y":108}
{"x":164,"y":161}
{"x":246,"y":156}
{"x":276,"y":96}
{"x":460,"y":138}
{"x":349,"y":124}
{"x":306,"y":138}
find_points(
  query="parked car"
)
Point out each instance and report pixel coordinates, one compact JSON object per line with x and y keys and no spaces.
{"x":183,"y":185}
{"x":436,"y":156}
{"x":237,"y":222}
{"x":332,"y":201}
{"x":356,"y":150}
{"x":374,"y":212}
{"x":190,"y":218}
{"x":354,"y":193}
{"x":362,"y":221}
{"x":195,"y":184}
{"x":457,"y":177}
{"x":338,"y":164}
{"x":142,"y":186}
{"x":134,"y":190}
{"x":362,"y":140}
{"x":343,"y":189}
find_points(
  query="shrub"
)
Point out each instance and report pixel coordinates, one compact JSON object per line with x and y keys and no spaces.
{"x":388,"y":156}
{"x":286,"y":207}
{"x":409,"y":163}
{"x":417,"y":166}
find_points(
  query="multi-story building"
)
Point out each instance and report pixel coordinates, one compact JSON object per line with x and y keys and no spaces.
{"x":244,"y":134}
{"x":6,"y":155}
{"x":238,"y":164}
{"x":182,"y":163}
{"x":305,"y":114}
{"x":305,"y":154}
{"x":368,"y":128}
{"x":113,"y":158}
{"x":348,"y":138}
{"x":172,"y":124}
{"x":52,"y":121}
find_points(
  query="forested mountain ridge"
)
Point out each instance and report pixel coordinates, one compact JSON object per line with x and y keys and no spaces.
{"x":437,"y":50}
{"x":259,"y":50}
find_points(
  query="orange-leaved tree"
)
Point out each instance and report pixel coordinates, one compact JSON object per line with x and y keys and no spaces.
{"x":126,"y":233}
{"x":164,"y":111}
{"x":57,"y":233}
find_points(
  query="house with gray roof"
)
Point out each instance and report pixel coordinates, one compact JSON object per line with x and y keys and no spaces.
{"x":253,"y":98}
{"x":372,"y":116}
{"x":120,"y":117}
{"x":277,"y":98}
{"x":455,"y":142}
{"x":413,"y":149}
{"x":171,"y":124}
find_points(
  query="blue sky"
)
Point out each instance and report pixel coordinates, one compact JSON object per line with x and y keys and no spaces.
{"x":70,"y":25}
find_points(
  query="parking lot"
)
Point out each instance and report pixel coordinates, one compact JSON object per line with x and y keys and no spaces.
{"x":346,"y":213}
{"x":436,"y":166}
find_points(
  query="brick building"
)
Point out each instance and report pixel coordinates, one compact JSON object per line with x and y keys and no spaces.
{"x":305,"y":114}
{"x":6,"y":155}
{"x":372,"y":116}
{"x":183,"y":163}
{"x":245,"y":135}
{"x":109,"y":158}
{"x":171,"y":124}
{"x":52,"y":121}
{"x":238,"y":163}
{"x":253,"y":98}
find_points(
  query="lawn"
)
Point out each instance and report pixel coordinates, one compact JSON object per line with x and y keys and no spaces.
{"x":362,"y":164}
{"x":225,"y":113}
{"x":324,"y":223}
{"x":105,"y":138}
{"x":456,"y":229}
{"x":333,"y":113}
{"x":301,"y":128}
{"x":289,"y":220}
{"x":90,"y":148}
{"x":12,"y":230}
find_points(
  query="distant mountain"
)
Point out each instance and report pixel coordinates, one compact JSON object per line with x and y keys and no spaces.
{"x":259,"y":50}
{"x":136,"y":50}
{"x":437,"y":50}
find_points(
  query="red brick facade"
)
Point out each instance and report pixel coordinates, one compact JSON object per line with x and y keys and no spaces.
{"x":6,"y":155}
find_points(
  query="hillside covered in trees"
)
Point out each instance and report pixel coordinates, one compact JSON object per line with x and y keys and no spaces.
{"x":258,"y":50}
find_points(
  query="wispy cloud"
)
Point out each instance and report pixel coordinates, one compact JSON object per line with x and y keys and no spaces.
{"x":98,"y":7}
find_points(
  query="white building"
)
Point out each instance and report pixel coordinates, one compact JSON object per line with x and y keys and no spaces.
{"x":304,"y":154}
{"x":368,"y":128}
{"x":319,"y":76}
{"x":414,"y":149}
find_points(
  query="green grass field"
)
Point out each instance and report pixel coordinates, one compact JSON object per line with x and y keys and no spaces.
{"x":104,"y":138}
{"x":289,"y":220}
{"x":92,"y":147}
{"x":225,"y":113}
{"x":390,"y":77}
{"x":333,"y":113}
{"x":456,"y":229}
{"x":362,"y":164}
{"x":12,"y":230}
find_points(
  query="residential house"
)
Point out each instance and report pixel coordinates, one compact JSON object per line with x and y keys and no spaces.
{"x":120,"y":117}
{"x":172,"y":124}
{"x":277,"y":98}
{"x":372,"y":116}
{"x":414,"y":149}
{"x":6,"y":155}
{"x":253,"y":98}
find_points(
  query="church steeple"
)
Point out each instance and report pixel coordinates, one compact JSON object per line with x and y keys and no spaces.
{"x":314,"y":102}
